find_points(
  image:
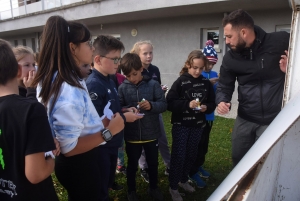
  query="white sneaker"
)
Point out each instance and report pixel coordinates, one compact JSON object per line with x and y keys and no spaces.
{"x":175,"y":195}
{"x":186,"y":186}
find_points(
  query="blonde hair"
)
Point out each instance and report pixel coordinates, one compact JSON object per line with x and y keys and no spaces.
{"x":195,"y":54}
{"x":21,"y":51}
{"x":136,"y":47}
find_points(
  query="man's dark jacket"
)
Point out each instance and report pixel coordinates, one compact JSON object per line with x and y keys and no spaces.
{"x":260,"y":80}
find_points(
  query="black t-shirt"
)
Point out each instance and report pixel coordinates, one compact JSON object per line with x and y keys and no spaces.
{"x":24,"y":130}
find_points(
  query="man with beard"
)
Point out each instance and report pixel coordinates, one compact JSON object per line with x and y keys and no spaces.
{"x":257,"y":60}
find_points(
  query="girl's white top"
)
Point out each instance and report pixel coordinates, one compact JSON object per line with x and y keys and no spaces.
{"x":73,"y":115}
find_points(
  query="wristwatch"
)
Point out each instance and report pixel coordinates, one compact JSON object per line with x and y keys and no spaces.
{"x":106,"y":134}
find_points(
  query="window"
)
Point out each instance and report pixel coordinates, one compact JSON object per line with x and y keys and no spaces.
{"x":210,"y":34}
{"x":286,"y":28}
{"x":24,"y":42}
{"x":117,"y":36}
{"x":16,"y":43}
{"x":33,"y":44}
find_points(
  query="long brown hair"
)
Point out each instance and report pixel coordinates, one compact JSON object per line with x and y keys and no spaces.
{"x":56,"y":56}
{"x":195,"y":54}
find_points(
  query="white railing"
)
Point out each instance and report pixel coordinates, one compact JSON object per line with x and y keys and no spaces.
{"x":14,"y":8}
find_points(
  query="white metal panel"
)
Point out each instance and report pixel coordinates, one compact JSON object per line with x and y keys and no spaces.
{"x":273,"y":133}
{"x":293,"y":79}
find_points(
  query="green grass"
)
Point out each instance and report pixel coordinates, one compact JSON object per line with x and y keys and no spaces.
{"x":218,"y":163}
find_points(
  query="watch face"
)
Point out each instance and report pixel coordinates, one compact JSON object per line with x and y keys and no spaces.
{"x":106,"y":135}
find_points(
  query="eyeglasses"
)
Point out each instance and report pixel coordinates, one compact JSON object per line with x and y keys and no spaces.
{"x":116,"y":60}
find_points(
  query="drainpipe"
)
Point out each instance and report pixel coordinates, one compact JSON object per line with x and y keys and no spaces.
{"x":25,"y":3}
{"x":11,"y":9}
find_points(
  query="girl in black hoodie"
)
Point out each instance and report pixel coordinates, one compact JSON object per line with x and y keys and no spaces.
{"x":189,"y":99}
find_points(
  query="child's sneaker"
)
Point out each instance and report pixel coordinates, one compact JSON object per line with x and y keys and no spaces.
{"x":144,"y":175}
{"x":132,"y":196}
{"x":156,"y":194}
{"x":175,"y":195}
{"x":197,"y":179}
{"x":203,"y":173}
{"x":121,"y":169}
{"x":167,"y":171}
{"x":187,"y":187}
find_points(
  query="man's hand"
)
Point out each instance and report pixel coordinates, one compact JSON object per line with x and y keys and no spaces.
{"x":283,"y":62}
{"x":223,"y":108}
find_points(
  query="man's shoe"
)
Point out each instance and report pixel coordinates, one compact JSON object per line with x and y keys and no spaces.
{"x":203,"y":173}
{"x":144,"y":175}
{"x":197,"y":179}
{"x":116,"y":187}
{"x":175,"y":195}
{"x":132,"y":196}
{"x":121,"y":169}
{"x":156,"y":194}
{"x":167,"y":171}
{"x":187,"y":187}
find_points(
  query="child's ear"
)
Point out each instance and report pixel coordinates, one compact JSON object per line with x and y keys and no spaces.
{"x":72,"y":47}
{"x":19,"y":75}
{"x":97,"y":60}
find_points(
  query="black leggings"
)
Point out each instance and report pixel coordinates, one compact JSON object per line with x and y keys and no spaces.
{"x":79,"y":175}
{"x":202,"y":148}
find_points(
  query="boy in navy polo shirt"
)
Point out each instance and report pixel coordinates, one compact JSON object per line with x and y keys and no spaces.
{"x":103,"y":90}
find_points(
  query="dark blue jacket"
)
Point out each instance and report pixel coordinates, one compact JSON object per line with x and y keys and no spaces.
{"x":152,"y":72}
{"x":102,"y":89}
{"x":146,"y":128}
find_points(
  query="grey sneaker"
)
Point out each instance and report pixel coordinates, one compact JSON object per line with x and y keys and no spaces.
{"x":167,"y":171}
{"x":175,"y":195}
{"x":144,"y":175}
{"x":187,"y":187}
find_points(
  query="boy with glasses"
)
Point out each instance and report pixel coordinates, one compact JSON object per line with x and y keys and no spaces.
{"x":103,"y":90}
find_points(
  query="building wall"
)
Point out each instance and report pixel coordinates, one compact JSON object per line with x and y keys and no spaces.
{"x":175,"y":38}
{"x":29,"y":40}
